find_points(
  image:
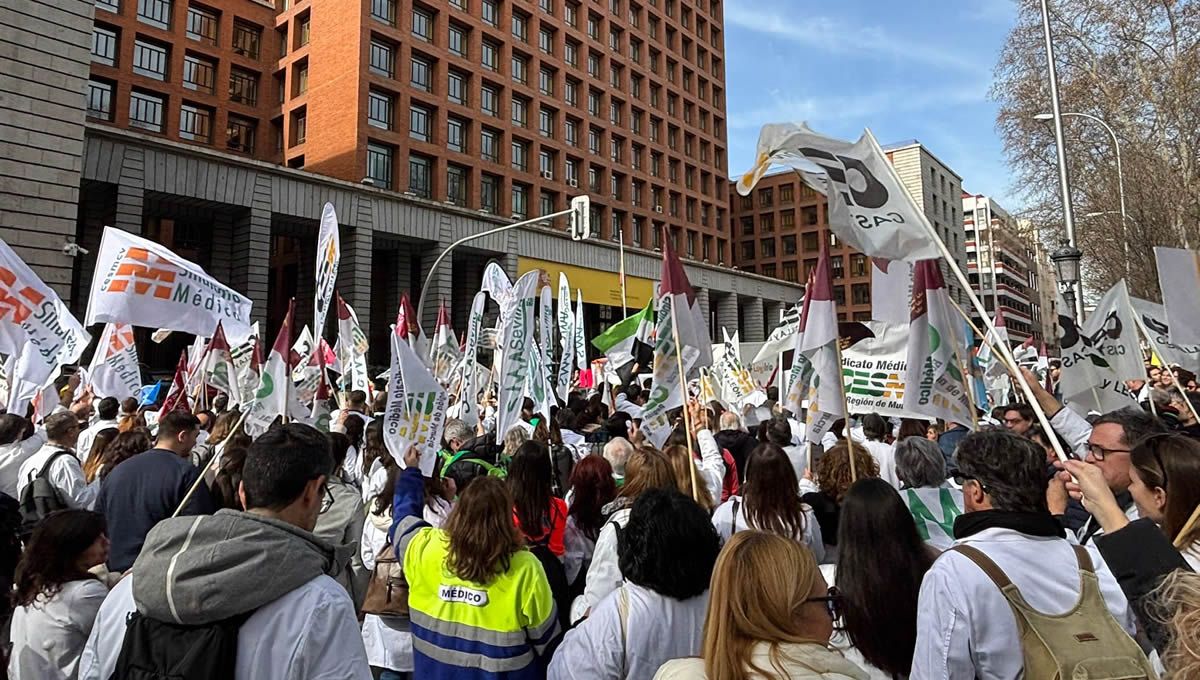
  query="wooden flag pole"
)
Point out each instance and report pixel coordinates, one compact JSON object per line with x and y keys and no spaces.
{"x":687,"y":420}
{"x":211,"y":461}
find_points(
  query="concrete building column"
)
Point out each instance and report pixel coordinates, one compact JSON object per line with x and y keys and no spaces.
{"x":771,"y":310}
{"x":702,"y":303}
{"x":753,"y":316}
{"x":727,"y":314}
{"x":440,"y":283}
{"x":354,"y":273}
{"x":250,"y":270}
{"x":131,"y":193}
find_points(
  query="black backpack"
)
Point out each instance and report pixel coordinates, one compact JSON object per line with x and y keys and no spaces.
{"x":40,"y":498}
{"x":157,"y":650}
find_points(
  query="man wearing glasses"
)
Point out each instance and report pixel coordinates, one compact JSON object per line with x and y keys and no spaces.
{"x":966,"y":628}
{"x":1112,"y":438}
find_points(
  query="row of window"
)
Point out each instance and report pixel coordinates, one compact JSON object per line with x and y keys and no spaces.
{"x":202,"y":24}
{"x":787,"y":219}
{"x":787,"y":194}
{"x":147,"y":111}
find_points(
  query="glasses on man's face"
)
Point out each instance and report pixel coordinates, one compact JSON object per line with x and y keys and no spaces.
{"x":833,"y":604}
{"x":1099,"y":452}
{"x":327,"y":501}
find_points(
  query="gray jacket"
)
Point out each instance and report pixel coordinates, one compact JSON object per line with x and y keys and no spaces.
{"x":342,"y":525}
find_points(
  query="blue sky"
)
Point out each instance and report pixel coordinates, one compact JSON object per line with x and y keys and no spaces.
{"x":904,"y":68}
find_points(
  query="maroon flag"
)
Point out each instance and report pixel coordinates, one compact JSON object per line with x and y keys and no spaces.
{"x":177,"y":399}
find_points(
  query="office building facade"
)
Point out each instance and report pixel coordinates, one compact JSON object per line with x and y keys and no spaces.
{"x":1003,"y":264}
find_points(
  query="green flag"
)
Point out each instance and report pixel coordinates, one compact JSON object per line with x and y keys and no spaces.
{"x":618,"y":341}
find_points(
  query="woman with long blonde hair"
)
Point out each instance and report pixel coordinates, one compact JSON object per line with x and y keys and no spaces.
{"x":770,"y":617}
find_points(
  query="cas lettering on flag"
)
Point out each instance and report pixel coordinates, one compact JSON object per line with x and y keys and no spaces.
{"x":142,"y":283}
{"x":329,"y":251}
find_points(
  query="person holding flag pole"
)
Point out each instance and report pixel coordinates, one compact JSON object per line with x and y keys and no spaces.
{"x":1153,"y":342}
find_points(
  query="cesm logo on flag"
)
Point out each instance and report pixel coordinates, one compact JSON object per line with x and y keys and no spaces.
{"x":15,"y":301}
{"x":144,"y":271}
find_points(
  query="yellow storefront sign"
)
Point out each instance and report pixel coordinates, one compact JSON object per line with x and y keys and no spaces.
{"x":599,"y":287}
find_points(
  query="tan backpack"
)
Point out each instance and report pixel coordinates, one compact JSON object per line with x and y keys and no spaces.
{"x":1085,"y":643}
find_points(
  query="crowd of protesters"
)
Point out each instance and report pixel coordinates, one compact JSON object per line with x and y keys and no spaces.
{"x":139,"y":545}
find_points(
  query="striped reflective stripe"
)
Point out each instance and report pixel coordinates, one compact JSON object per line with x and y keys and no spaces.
{"x":465,"y":631}
{"x":171,"y":569}
{"x":543,"y":634}
{"x":470,"y":659}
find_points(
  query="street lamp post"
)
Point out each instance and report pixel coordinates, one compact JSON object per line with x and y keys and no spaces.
{"x":1120,"y":175}
{"x":1066,"y":267}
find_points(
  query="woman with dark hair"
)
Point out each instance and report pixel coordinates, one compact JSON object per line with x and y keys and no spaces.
{"x":646,"y":469}
{"x":913,"y":427}
{"x":667,"y":552}
{"x":563,"y":459}
{"x":357,"y":467}
{"x":55,"y":596}
{"x":770,"y":501}
{"x":1164,"y":480}
{"x":541,"y":516}
{"x":473,"y":577}
{"x":100,"y":441}
{"x":18,"y":441}
{"x":833,"y":479}
{"x":593,"y":487}
{"x":879,"y":606}
{"x":228,"y":478}
{"x":765,"y":620}
{"x":377,"y":461}
{"x":875,"y":431}
{"x":126,"y":445}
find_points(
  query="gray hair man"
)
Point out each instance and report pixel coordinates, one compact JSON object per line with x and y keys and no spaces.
{"x":617,"y":452}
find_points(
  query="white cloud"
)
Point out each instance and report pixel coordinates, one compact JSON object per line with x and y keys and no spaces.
{"x":831,"y":35}
{"x":854,"y":111}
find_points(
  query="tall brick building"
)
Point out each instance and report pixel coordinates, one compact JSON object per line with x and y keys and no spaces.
{"x":219,"y":128}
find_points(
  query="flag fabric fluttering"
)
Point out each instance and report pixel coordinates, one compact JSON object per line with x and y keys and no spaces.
{"x":581,"y":358}
{"x":869,"y":208}
{"x":737,"y":386}
{"x":619,"y":342}
{"x":37,"y":331}
{"x":566,"y":339}
{"x":319,"y":415}
{"x":891,"y":290}
{"x":114,"y":370}
{"x":1092,"y":378}
{"x":272,"y":398}
{"x":177,"y":398}
{"x":416,"y":408}
{"x":934,"y":385}
{"x":1179,"y":279}
{"x":538,"y":385}
{"x":329,"y":251}
{"x":1154,"y":320}
{"x":142,"y":283}
{"x":815,"y":381}
{"x":467,"y":407}
{"x":445,"y":352}
{"x":783,"y":337}
{"x":516,"y":339}
{"x":351,"y":349}
{"x":218,"y":368}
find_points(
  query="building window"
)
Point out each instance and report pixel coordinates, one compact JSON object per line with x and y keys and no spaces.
{"x":489,"y":100}
{"x":787,"y":218}
{"x":546,"y":123}
{"x":104,"y":45}
{"x":571,"y":14}
{"x":456,"y":135}
{"x":304,"y":30}
{"x":379,"y":110}
{"x":789,"y":244}
{"x":520,"y":155}
{"x":593,"y":66}
{"x":459,"y":4}
{"x":247,"y":38}
{"x":767,"y":246}
{"x":546,"y":163}
{"x":785,"y":194}
{"x":572,"y":169}
{"x":385,"y":11}
{"x":419,"y":168}
{"x":199,"y":73}
{"x":100,"y":96}
{"x":860,"y":293}
{"x":520,"y":201}
{"x":748,"y":250}
{"x":593,"y":27}
{"x":546,"y":41}
{"x":520,"y":27}
{"x":571,"y":53}
{"x":418,"y":123}
{"x":155,"y":12}
{"x":790,"y":272}
{"x":456,"y":184}
{"x":808,"y":215}
{"x":383,"y":58}
{"x":546,"y":82}
{"x":300,"y":126}
{"x":571,"y":132}
{"x":422,"y":24}
{"x":593,"y":179}
{"x":239,"y":134}
{"x":594,"y":103}
{"x":520,"y":68}
{"x":195,"y":123}
{"x":301,"y":76}
{"x":379,"y":164}
{"x":458,"y":40}
{"x":572,"y":92}
{"x":150,"y":59}
{"x":113,"y":6}
{"x":766,"y":223}
{"x":520,"y":111}
{"x":594,"y":141}
{"x":146,"y":111}
{"x":489,"y":145}
{"x":490,"y":55}
{"x":545,"y":203}
{"x":489,"y":193}
{"x":420,"y":76}
{"x":456,"y":87}
{"x":490,"y":13}
{"x":243,"y":86}
{"x":547,"y":6}
{"x":809,"y":243}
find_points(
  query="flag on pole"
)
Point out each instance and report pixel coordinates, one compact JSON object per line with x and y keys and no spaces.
{"x":581,"y":360}
{"x":816,"y":377}
{"x":416,"y":412}
{"x":783,"y":337}
{"x":467,"y":407}
{"x":538,"y":387}
{"x":516,"y":339}
{"x":114,"y":370}
{"x":329,"y":251}
{"x":219,"y":369}
{"x":1154,"y":319}
{"x":566,"y":339}
{"x":1088,"y":381}
{"x":351,"y":349}
{"x":318,"y":417}
{"x":271,"y":399}
{"x":37,"y":331}
{"x":177,"y":399}
{"x":1179,"y":279}
{"x":891,"y":290}
{"x":141,"y":283}
{"x":619,"y":342}
{"x":737,"y":385}
{"x":869,"y":208}
{"x":692,"y":326}
{"x":934,"y":384}
{"x":445,"y":346}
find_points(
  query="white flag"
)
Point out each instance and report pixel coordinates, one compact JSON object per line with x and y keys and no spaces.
{"x":36,"y":328}
{"x":351,"y":349}
{"x":273,"y":396}
{"x":891,"y":290}
{"x":516,"y":339}
{"x":783,"y":337}
{"x":329,"y":251}
{"x":1088,"y":381}
{"x":566,"y":339}
{"x":1112,"y":332}
{"x":934,"y":383}
{"x":1154,"y":318}
{"x":114,"y":370}
{"x":816,"y":379}
{"x":468,"y":406}
{"x":416,"y":413}
{"x":869,"y":208}
{"x":1179,"y":279}
{"x":141,"y":283}
{"x":581,"y":361}
{"x":538,"y":386}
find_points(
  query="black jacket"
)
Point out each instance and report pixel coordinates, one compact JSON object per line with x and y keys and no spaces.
{"x":739,"y":445}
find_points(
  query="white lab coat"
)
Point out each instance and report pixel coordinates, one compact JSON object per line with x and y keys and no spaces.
{"x":885,"y":456}
{"x":657,"y":629}
{"x":48,"y":636}
{"x":311,"y":632}
{"x":965,"y":627}
{"x":83,"y":447}
{"x":65,"y":474}
{"x":13,"y":456}
{"x":723,"y":522}
{"x":840,"y":640}
{"x":711,"y":466}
